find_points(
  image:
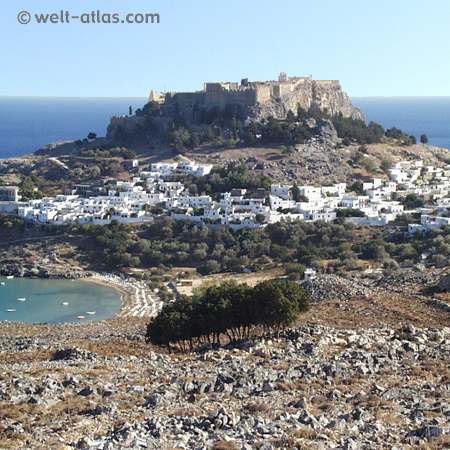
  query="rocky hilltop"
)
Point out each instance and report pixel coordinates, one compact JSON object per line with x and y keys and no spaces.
{"x":248,"y":100}
{"x":325,"y":95}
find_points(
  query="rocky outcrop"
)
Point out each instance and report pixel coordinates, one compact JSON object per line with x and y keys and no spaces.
{"x":325,"y":95}
{"x":333,"y":287}
{"x":40,"y":271}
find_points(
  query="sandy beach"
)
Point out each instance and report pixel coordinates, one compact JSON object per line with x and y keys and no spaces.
{"x":137,"y":299}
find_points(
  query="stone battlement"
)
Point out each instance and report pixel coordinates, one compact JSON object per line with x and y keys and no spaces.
{"x":250,"y":94}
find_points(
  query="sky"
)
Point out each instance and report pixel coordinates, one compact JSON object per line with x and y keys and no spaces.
{"x":377,"y":48}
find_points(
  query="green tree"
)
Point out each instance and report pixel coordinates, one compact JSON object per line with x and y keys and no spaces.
{"x":250,"y":132}
{"x":279,"y":304}
{"x":194,"y":141}
{"x":173,"y":324}
{"x":151,"y":109}
{"x":209,"y":134}
{"x":28,"y":190}
{"x":424,"y":139}
{"x":385,"y":164}
{"x":180,"y":140}
{"x":260,"y":218}
{"x":302,"y":114}
{"x":295,"y":191}
{"x":413,"y":201}
{"x":290,"y":117}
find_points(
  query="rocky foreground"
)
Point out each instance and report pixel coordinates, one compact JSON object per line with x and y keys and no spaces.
{"x":317,"y":388}
{"x":379,"y":384}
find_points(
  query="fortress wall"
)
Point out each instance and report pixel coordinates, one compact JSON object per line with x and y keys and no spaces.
{"x":121,"y":120}
{"x":184,"y":98}
{"x":128,"y":123}
{"x":285,"y":88}
{"x":263,"y":93}
{"x":218,"y":87}
{"x":275,"y":91}
{"x":327,"y":83}
{"x":246,"y":97}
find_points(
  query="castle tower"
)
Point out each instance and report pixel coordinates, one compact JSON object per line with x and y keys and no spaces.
{"x":154,"y":96}
{"x":282,"y":77}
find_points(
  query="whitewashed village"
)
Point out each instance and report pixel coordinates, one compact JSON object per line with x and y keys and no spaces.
{"x":134,"y":201}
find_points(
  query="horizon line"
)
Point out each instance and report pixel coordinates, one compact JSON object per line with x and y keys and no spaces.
{"x":143,"y":96}
{"x":75,"y":96}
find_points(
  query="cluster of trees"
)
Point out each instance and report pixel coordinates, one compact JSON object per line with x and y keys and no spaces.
{"x":229,"y":310}
{"x":182,"y":140}
{"x":287,"y":131}
{"x":169,"y":243}
{"x":403,"y":249}
{"x":436,"y":243}
{"x":228,"y":113}
{"x":123,"y":152}
{"x":182,"y":243}
{"x":310,"y":243}
{"x":144,"y":131}
{"x":413,"y":201}
{"x":234,"y":176}
{"x":150,"y":109}
{"x":350,"y":129}
{"x":349,"y":212}
{"x":90,"y":137}
{"x":400,"y":136}
{"x":28,"y":189}
{"x":359,"y":158}
{"x":8,"y":222}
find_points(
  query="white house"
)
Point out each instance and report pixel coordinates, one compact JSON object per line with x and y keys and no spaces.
{"x":281,"y":190}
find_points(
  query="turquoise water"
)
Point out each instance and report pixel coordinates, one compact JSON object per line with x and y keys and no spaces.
{"x":44,"y":300}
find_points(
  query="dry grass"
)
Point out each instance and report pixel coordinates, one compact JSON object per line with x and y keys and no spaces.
{"x":256,"y":407}
{"x":286,"y":386}
{"x":10,"y":439}
{"x":388,"y":307}
{"x":225,"y":445}
{"x":33,"y":356}
{"x":387,"y":417}
{"x":374,"y":401}
{"x":437,"y":443}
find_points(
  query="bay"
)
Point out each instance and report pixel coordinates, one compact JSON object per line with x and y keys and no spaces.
{"x":44,"y":300}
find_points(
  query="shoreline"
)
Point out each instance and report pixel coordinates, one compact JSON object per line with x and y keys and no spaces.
{"x":126,"y":297}
{"x":136,"y":300}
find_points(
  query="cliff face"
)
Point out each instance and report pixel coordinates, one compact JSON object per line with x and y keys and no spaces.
{"x":325,"y":94}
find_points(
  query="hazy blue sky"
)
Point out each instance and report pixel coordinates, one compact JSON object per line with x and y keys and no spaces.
{"x":381,"y":47}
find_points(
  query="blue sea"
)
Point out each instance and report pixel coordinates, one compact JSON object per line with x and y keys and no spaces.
{"x":28,"y":123}
{"x":413,"y":115}
{"x":44,"y":300}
